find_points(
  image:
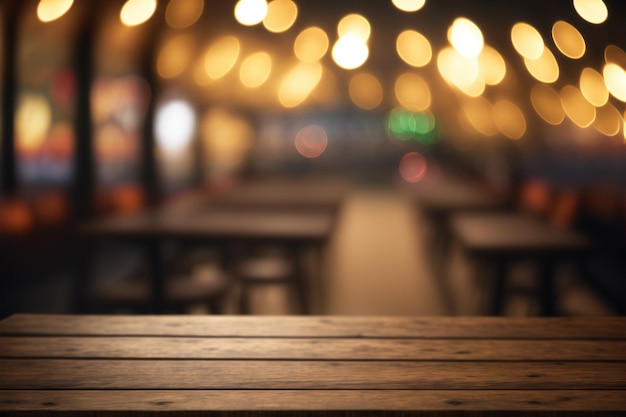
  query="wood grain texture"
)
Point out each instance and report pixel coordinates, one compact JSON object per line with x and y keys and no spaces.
{"x":311,"y":349}
{"x":255,"y":374}
{"x":295,"y":400}
{"x":320,"y":327}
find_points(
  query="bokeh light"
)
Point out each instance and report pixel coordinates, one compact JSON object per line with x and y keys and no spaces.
{"x":350,"y":52}
{"x":413,"y":167}
{"x":593,"y":88}
{"x":479,"y":113}
{"x":299,"y":83}
{"x":460,"y":71}
{"x":311,"y":44}
{"x":409,"y":5}
{"x":547,"y":104}
{"x":466,"y":37}
{"x":527,"y":40}
{"x":615,"y":79}
{"x":32,"y":122}
{"x":405,"y":125}
{"x":545,"y":68}
{"x":226,"y":139}
{"x":576,"y":107}
{"x":175,"y":56}
{"x":49,"y":10}
{"x":491,"y":66}
{"x":354,"y":25}
{"x":593,"y":11}
{"x":174,"y":125}
{"x":414,"y":48}
{"x":509,"y":119}
{"x":221,"y":57}
{"x":311,"y":141}
{"x":412,"y":92}
{"x":281,"y":15}
{"x":255,"y":69}
{"x":568,"y":40}
{"x":608,"y":120}
{"x":181,"y":14}
{"x":365,"y":91}
{"x":136,"y":12}
{"x":250,"y":12}
{"x":613,"y":54}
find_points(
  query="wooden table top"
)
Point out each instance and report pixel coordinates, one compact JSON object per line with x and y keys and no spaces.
{"x":445,"y":195}
{"x":283,"y":193}
{"x":514,"y":233}
{"x":217,"y":223}
{"x":233,"y":365}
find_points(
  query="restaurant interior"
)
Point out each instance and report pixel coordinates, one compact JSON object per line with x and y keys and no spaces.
{"x":389,"y":157}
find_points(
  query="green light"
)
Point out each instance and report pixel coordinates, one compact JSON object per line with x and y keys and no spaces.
{"x":404,"y":125}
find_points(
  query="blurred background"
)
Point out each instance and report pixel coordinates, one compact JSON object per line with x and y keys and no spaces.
{"x":124,"y":107}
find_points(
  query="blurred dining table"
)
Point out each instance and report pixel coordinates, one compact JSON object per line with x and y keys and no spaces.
{"x":297,"y":224}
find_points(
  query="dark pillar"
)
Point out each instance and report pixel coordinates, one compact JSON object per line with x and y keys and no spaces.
{"x":10,"y":25}
{"x":83,"y":175}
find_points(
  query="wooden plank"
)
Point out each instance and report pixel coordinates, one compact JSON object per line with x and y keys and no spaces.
{"x":255,"y":374}
{"x":311,"y":349}
{"x":192,"y":400}
{"x":321,"y":326}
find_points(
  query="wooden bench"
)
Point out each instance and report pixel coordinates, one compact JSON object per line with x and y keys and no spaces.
{"x":296,"y":365}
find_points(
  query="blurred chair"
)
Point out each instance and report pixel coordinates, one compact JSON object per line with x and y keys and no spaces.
{"x":190,"y":283}
{"x":270,"y":267}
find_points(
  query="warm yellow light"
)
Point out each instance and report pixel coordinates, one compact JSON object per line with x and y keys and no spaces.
{"x":299,"y":83}
{"x":509,"y":119}
{"x":311,"y":141}
{"x":136,"y":12}
{"x":576,"y":107}
{"x":365,"y":91}
{"x":547,"y":104}
{"x":608,"y":120}
{"x":221,"y":57}
{"x":412,"y":92}
{"x":255,"y":69}
{"x":593,"y":11}
{"x":615,"y":79}
{"x":350,"y":52}
{"x":32,"y":122}
{"x":281,"y":15}
{"x":226,"y":138}
{"x":354,"y":25}
{"x":593,"y":88}
{"x":250,"y":12}
{"x":545,"y":68}
{"x":615,"y":55}
{"x":414,"y":48}
{"x":466,"y":37}
{"x":175,"y":56}
{"x":311,"y":44}
{"x":49,"y":10}
{"x":568,"y":39}
{"x":491,"y":66}
{"x":183,"y":13}
{"x":479,"y":112}
{"x":527,"y":40}
{"x":458,"y":70}
{"x":409,"y":5}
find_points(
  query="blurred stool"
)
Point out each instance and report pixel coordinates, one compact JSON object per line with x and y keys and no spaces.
{"x":181,"y":292}
{"x":269,"y":269}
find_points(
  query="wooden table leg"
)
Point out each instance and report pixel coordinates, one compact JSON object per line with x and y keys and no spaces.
{"x":499,"y":285}
{"x":547,"y":293}
{"x":154,"y":255}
